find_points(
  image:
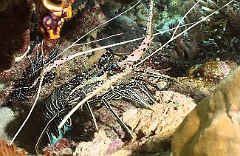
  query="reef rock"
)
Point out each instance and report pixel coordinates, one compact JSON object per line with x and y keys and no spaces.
{"x":154,"y":128}
{"x":162,"y":118}
{"x":97,"y":147}
{"x":213,"y":127}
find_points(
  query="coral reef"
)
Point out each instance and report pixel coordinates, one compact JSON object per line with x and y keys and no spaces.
{"x":191,"y":65}
{"x":215,"y":71}
{"x":174,"y":8}
{"x":220,"y":28}
{"x":213,"y":124}
{"x":194,"y":35}
{"x":223,"y":24}
{"x":234,"y":17}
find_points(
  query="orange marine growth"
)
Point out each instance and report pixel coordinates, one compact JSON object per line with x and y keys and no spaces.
{"x":6,"y":150}
{"x":51,"y":18}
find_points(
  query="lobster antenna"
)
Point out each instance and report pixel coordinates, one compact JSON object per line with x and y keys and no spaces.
{"x":74,"y":43}
{"x":116,"y":78}
{"x":33,"y":106}
{"x":184,"y":17}
{"x":173,"y":38}
{"x":43,"y":70}
{"x":128,"y":71}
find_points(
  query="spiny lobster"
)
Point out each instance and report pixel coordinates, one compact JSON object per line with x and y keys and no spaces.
{"x":94,"y":85}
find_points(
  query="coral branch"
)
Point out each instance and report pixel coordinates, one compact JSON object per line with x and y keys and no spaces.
{"x":6,"y":150}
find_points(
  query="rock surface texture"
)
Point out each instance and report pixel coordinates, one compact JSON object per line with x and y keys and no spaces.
{"x":152,"y":129}
{"x":213,"y":127}
{"x":97,"y":147}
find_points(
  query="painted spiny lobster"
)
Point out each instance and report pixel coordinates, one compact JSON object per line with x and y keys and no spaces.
{"x":95,"y":84}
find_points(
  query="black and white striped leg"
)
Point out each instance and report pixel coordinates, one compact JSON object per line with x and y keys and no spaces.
{"x":108,"y":106}
{"x":92,"y":115}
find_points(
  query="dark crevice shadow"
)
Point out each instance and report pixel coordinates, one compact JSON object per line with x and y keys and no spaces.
{"x":28,"y":136}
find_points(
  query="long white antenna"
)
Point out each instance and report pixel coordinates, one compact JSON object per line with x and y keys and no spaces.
{"x":33,"y":106}
{"x":173,"y":38}
{"x":74,"y":43}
